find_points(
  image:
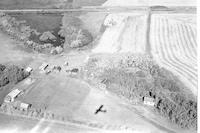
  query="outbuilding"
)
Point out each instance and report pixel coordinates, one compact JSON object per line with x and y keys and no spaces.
{"x":12,"y":95}
{"x":43,"y":66}
{"x":25,"y":106}
{"x":74,"y":71}
{"x":29,"y":69}
{"x":149,"y":101}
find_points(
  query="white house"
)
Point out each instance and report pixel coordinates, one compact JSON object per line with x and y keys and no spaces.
{"x":12,"y":95}
{"x":29,"y":69}
{"x":24,"y":106}
{"x":149,"y":101}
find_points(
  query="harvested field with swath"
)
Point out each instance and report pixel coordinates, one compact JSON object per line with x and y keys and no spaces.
{"x":174,"y":46}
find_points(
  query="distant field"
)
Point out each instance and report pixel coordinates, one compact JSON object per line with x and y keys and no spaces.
{"x":31,"y":4}
{"x":40,"y":22}
{"x":79,"y":3}
{"x":174,"y":46}
{"x":149,"y":3}
{"x":93,"y":23}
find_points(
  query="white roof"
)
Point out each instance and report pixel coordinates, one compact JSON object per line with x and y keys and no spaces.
{"x":24,"y":105}
{"x":43,"y":65}
{"x":14,"y":93}
{"x":149,"y":99}
{"x":29,"y":69}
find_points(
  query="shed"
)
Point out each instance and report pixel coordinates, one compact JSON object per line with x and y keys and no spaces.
{"x":58,"y":68}
{"x":25,"y":106}
{"x":74,"y":70}
{"x":12,"y":95}
{"x":149,"y":101}
{"x":29,"y":69}
{"x":66,"y":63}
{"x":43,"y":66}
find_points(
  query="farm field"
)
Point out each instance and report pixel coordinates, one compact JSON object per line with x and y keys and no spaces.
{"x":93,"y":23}
{"x":149,"y":3}
{"x":174,"y":46}
{"x":128,"y":30}
{"x":80,"y":3}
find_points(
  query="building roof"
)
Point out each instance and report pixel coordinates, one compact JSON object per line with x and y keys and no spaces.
{"x":28,"y":69}
{"x":14,"y":93}
{"x":149,"y":99}
{"x":24,"y":105}
{"x":43,"y":66}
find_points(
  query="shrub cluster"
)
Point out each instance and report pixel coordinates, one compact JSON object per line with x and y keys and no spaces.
{"x":20,"y":31}
{"x":9,"y":108}
{"x":76,"y":37}
{"x":11,"y":74}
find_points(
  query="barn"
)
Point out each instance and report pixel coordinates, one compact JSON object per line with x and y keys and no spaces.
{"x":12,"y":95}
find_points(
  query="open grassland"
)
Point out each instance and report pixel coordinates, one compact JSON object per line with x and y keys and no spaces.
{"x":174,"y":46}
{"x":57,"y":94}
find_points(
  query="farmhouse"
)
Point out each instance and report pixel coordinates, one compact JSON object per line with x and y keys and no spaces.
{"x":12,"y":95}
{"x":149,"y":101}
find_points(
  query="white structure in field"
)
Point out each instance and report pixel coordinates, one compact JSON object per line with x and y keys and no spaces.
{"x":149,"y":101}
{"x":12,"y":95}
{"x":29,"y":69}
{"x":43,"y":66}
{"x":24,"y":106}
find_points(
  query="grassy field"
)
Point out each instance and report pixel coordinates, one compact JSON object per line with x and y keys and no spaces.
{"x":14,"y":124}
{"x":57,"y":93}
